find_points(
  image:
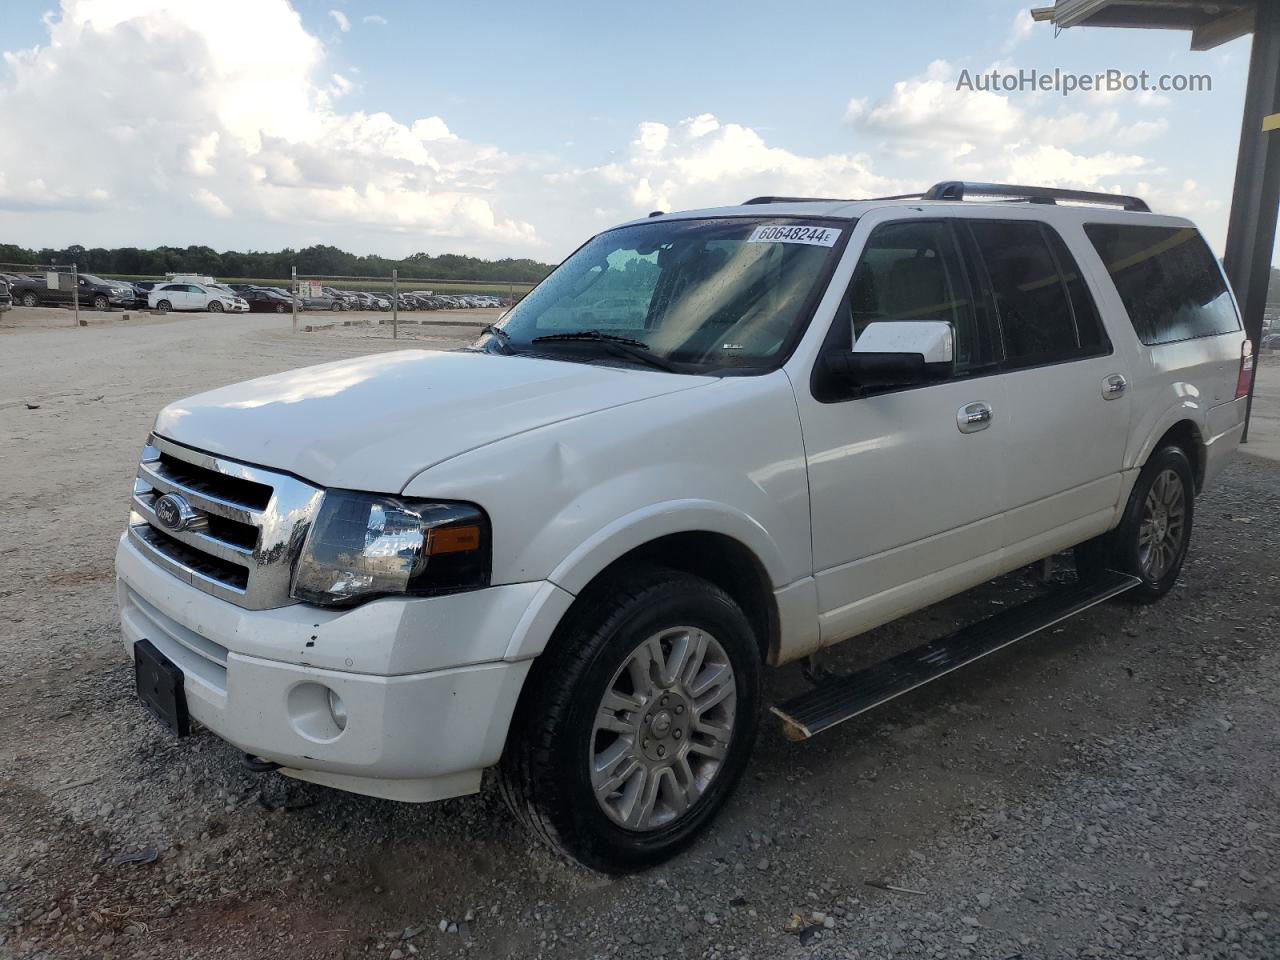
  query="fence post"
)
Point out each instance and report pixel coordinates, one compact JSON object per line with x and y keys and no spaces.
{"x":75,"y":290}
{"x":293,"y":295}
{"x":395,"y":304}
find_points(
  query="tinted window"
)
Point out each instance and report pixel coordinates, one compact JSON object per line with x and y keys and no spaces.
{"x":1093,"y":338}
{"x":1032,"y":299}
{"x":912,"y":271}
{"x":1168,"y":280}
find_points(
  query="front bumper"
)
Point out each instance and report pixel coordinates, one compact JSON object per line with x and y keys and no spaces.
{"x":427,"y":703}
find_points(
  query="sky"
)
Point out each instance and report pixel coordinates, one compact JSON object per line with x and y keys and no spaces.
{"x":517,"y":129}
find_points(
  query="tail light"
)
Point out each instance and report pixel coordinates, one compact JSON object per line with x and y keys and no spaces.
{"x":1245,"y":381}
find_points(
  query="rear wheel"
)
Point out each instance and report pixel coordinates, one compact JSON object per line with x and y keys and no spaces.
{"x":1154,"y":534}
{"x":164,"y":306}
{"x":637,"y":723}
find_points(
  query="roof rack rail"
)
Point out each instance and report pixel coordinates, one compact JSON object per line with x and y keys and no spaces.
{"x":755,"y":200}
{"x":900,"y":196}
{"x":959,"y":189}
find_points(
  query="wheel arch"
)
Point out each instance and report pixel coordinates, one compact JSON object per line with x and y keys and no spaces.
{"x":1184,"y":433}
{"x":721,"y":558}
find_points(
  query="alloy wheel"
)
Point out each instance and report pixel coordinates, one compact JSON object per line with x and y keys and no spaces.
{"x":1161,"y":530}
{"x":662,"y":729}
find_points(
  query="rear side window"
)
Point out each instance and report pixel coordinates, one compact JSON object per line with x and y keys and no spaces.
{"x":1046,"y":313}
{"x":1167,"y":279}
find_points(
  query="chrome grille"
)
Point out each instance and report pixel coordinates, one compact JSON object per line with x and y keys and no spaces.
{"x":246,"y":528}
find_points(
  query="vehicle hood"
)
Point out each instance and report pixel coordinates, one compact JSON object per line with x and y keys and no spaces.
{"x":373,"y":423}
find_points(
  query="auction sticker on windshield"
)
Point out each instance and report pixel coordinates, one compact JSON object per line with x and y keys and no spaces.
{"x":793,"y":233}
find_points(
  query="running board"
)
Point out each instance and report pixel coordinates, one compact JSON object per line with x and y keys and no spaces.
{"x":840,"y":698}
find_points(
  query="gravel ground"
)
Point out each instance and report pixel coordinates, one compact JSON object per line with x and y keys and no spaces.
{"x":1109,"y":789}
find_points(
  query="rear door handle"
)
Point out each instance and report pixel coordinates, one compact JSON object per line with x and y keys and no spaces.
{"x":1114,"y":386}
{"x":973,"y":417}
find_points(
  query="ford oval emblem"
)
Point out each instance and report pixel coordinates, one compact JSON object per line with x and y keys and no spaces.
{"x":173,"y":511}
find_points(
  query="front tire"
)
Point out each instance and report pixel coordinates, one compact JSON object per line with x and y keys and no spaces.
{"x":637,"y":722}
{"x":215,"y":306}
{"x":29,"y":299}
{"x":101,"y":304}
{"x":1154,"y":534}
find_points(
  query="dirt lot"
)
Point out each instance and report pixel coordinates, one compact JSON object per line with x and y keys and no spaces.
{"x":1110,"y":789}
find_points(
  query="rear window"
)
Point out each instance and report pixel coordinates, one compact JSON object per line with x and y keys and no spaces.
{"x":1168,"y":279}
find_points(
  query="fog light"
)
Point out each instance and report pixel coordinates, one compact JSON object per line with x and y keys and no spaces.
{"x":338,"y":710}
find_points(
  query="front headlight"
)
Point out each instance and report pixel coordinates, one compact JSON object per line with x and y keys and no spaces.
{"x":363,"y":546}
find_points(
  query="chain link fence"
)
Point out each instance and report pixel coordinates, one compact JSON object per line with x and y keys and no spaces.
{"x":312,"y":300}
{"x":395,"y":300}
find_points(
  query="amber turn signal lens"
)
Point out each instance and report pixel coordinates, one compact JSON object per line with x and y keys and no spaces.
{"x":453,"y":540}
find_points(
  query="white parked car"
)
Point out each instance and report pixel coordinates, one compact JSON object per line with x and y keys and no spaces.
{"x":569,"y":553}
{"x":212,"y":298}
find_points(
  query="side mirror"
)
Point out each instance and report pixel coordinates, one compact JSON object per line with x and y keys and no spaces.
{"x":895,"y":354}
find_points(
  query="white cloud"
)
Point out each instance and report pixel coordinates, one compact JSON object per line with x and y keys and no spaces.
{"x":198,"y":117}
{"x":703,"y":162}
{"x":1019,"y":30}
{"x":211,"y":202}
{"x":341,"y":20}
{"x":929,"y":109}
{"x":374,"y":18}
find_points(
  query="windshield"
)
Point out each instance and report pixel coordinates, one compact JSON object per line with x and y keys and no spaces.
{"x":714,"y":294}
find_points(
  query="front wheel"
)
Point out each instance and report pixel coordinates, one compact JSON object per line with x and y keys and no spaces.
{"x":1153,"y":536}
{"x":215,"y":306}
{"x":29,"y":299}
{"x":101,"y":304}
{"x":279,"y":308}
{"x":637,"y":722}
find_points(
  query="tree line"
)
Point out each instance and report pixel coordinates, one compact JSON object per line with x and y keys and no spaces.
{"x":322,"y":260}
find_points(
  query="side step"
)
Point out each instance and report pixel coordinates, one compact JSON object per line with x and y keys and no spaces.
{"x":841,"y":698}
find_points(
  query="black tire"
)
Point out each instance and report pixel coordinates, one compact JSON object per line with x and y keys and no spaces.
{"x":279,"y":308}
{"x":164,"y":306}
{"x":215,"y":306}
{"x":1122,"y":549}
{"x":545,"y":776}
{"x":29,"y":299}
{"x":101,"y":304}
{"x":336,"y":307}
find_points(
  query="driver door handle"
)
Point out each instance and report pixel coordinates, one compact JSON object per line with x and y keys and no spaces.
{"x":973,"y":417}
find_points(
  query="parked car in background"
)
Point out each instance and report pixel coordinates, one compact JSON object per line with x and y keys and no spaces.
{"x":324,"y":302}
{"x":345,"y":298}
{"x":94,"y":292}
{"x":6,"y":298}
{"x":196,"y":296}
{"x":266,"y":299}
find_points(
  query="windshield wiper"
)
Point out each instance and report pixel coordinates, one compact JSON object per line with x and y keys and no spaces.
{"x":619,"y":346}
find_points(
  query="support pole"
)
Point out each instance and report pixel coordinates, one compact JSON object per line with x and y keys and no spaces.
{"x":75,"y":290}
{"x":1255,"y":201}
{"x":395,"y":304}
{"x":293,"y":295}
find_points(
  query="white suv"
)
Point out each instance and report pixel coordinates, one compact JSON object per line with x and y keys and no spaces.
{"x":569,"y":552}
{"x":196,"y":296}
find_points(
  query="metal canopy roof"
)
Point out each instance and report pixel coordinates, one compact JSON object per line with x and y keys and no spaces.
{"x":1211,"y":22}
